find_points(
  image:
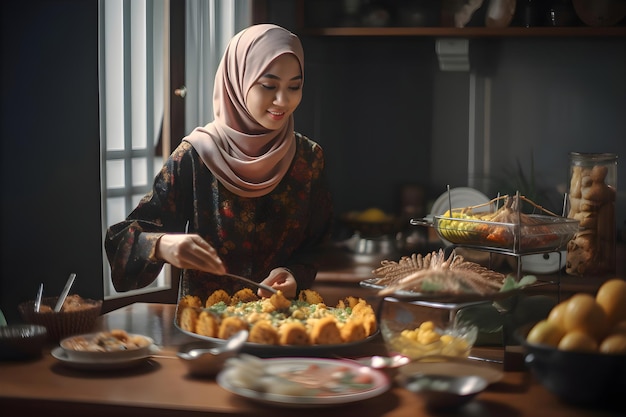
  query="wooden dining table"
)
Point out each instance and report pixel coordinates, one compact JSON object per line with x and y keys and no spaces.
{"x":162,"y":387}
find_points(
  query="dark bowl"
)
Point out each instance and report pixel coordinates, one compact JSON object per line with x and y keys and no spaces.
{"x":580,"y":378}
{"x":444,"y":392}
{"x":22,"y":341}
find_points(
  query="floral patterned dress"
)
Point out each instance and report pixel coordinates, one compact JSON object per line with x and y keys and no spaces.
{"x":252,"y":235}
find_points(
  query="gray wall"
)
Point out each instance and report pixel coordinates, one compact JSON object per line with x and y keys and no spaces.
{"x":386,"y":115}
{"x":50,"y":170}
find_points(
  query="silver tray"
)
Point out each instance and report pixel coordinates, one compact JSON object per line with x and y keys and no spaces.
{"x":550,"y":233}
{"x":450,"y":298}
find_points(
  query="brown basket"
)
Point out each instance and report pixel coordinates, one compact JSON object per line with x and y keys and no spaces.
{"x":64,"y":323}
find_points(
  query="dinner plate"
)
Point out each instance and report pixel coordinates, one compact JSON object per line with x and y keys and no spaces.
{"x":453,"y":368}
{"x":337,"y":391}
{"x":263,"y":350}
{"x":101,"y":364}
{"x":444,"y":297}
{"x":459,"y":197}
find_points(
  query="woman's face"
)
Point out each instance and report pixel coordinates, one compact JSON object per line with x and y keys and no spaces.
{"x":277,"y":93}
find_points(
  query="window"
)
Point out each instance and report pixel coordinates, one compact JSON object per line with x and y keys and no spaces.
{"x":131,"y":95}
{"x":133,"y":85}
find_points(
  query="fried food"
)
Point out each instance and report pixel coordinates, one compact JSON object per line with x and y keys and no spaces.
{"x":293,"y":333}
{"x":216,"y":297}
{"x":190,"y":301}
{"x":187,"y":318}
{"x":278,"y":320}
{"x":207,"y":324}
{"x":310,"y":296}
{"x":325,"y":332}
{"x":230,"y":326}
{"x":279,"y":301}
{"x":244,"y":295}
{"x":263,"y":332}
{"x":353,"y":331}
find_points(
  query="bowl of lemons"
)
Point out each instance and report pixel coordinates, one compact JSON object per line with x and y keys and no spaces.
{"x":578,"y":352}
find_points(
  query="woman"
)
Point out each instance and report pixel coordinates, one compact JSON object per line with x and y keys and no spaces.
{"x":244,"y":194}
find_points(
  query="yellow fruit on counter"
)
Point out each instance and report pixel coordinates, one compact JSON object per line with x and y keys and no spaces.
{"x":619,"y":328}
{"x":583,"y":313}
{"x":372,"y":215}
{"x":614,"y":343}
{"x":612,"y":298}
{"x":557,"y":314}
{"x":545,"y":333}
{"x":578,"y":341}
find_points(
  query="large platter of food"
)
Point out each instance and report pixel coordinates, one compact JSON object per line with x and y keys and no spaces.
{"x":301,"y":382}
{"x":442,"y":278}
{"x":506,"y":230}
{"x":278,"y":325}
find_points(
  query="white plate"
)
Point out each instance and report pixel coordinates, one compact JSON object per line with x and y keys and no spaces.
{"x":454,"y":368}
{"x":341,"y":394}
{"x":99,"y":365}
{"x":459,"y":197}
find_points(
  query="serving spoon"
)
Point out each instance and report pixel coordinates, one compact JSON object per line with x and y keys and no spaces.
{"x":249,"y":281}
{"x":232,"y":344}
{"x":207,"y":362}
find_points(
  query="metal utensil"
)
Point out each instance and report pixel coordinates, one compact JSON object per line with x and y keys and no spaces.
{"x":249,"y":281}
{"x":38,"y":298}
{"x":66,"y":291}
{"x":234,"y":343}
{"x":202,"y":361}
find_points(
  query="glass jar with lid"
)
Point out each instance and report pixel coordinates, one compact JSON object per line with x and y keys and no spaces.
{"x":592,"y":194}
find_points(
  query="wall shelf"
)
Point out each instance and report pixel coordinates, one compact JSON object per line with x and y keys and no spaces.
{"x":469,"y":32}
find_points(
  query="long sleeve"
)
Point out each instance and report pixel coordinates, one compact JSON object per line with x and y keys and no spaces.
{"x":252,"y":235}
{"x":130,"y":245}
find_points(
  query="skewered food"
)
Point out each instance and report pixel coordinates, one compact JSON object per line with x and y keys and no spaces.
{"x":278,"y":320}
{"x":435,"y":272}
{"x":507,"y":228}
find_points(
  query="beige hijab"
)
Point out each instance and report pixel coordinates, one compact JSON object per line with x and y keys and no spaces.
{"x":246,"y":158}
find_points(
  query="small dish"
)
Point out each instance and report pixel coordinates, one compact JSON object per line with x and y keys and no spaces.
{"x":99,"y":365}
{"x":444,"y":392}
{"x":113,"y":346}
{"x":21,"y":341}
{"x":456,"y":368}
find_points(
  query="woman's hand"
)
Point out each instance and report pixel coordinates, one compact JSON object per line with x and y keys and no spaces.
{"x":189,"y":252}
{"x":280,"y":279}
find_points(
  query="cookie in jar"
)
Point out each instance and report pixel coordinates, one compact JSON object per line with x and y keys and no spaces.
{"x":592,"y":193}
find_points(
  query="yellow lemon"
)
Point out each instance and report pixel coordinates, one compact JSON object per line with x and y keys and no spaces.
{"x":614,"y":343}
{"x":612,"y":298}
{"x":585,"y":314}
{"x":372,"y":215}
{"x":557,"y":314}
{"x":545,"y":333}
{"x":578,"y":341}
